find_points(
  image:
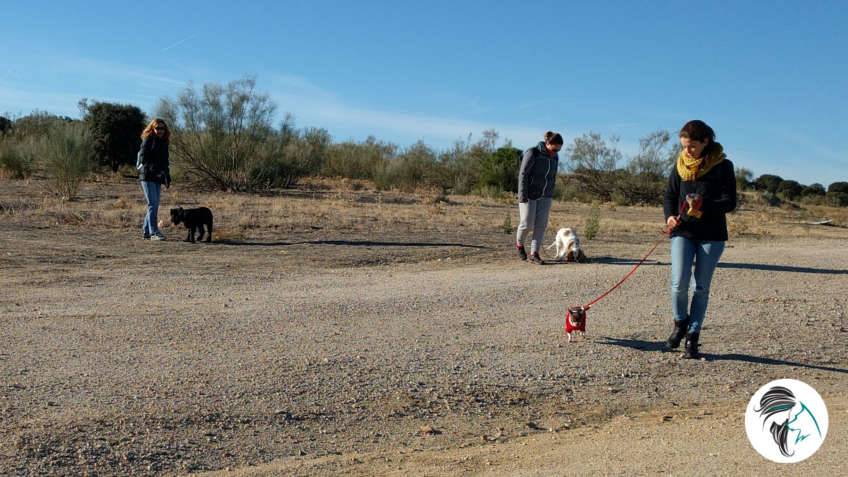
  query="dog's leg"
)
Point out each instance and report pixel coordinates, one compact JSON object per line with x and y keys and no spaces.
{"x":190,"y":237}
{"x":200,"y":232}
{"x":569,"y":337}
{"x":209,"y":231}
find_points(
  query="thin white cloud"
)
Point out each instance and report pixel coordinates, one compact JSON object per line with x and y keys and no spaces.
{"x":101,"y":68}
{"x":312,"y":103}
{"x":179,"y":42}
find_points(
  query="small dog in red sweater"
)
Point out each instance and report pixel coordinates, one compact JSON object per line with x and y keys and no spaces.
{"x":575,"y":321}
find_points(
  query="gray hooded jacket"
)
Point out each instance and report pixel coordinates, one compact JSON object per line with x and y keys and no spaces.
{"x":537,"y":175}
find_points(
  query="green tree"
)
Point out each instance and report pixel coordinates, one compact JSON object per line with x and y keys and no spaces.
{"x":743,"y":178}
{"x":5,"y":125}
{"x":500,"y":169}
{"x":116,"y":131}
{"x":837,"y":194}
{"x":790,"y":190}
{"x":838,"y":187}
{"x":814,"y":189}
{"x":593,"y":161}
{"x":656,"y":155}
{"x":768,"y":183}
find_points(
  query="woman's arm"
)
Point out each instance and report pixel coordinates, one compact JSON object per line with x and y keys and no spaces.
{"x":144,"y":151}
{"x":167,"y":167}
{"x":671,"y":207}
{"x":726,"y":200}
{"x":524,"y":173}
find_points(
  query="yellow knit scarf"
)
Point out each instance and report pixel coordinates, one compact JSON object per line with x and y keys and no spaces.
{"x":691,"y":168}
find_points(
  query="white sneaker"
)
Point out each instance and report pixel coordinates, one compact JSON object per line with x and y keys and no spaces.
{"x":157,"y":237}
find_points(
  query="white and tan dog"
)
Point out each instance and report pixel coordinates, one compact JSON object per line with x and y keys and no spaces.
{"x":567,"y":246}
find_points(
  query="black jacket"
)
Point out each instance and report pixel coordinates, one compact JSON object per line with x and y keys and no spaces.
{"x":537,"y":175}
{"x":718,"y":189}
{"x":153,"y":164}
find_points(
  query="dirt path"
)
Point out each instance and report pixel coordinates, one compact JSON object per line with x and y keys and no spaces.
{"x":121,"y":357}
{"x":702,"y":441}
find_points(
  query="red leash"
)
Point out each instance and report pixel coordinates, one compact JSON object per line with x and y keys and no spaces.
{"x":581,"y":310}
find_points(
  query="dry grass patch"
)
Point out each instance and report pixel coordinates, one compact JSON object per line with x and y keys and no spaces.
{"x":328,"y":205}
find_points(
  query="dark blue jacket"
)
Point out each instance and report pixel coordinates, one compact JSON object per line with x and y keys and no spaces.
{"x":153,"y":164}
{"x":537,"y":175}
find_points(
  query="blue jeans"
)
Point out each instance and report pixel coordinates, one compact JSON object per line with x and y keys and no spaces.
{"x":152,"y":191}
{"x":705,"y":254}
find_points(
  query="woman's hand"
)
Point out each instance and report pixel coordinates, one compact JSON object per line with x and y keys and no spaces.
{"x":672,"y":222}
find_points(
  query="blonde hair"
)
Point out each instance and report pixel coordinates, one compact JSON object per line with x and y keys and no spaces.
{"x":151,"y":129}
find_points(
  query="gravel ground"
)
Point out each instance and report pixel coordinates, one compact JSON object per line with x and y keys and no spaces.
{"x":122,"y":357}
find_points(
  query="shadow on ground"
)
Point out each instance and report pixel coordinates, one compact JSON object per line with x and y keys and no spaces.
{"x":659,"y":346}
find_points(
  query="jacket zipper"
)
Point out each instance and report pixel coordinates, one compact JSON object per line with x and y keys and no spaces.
{"x":545,"y":187}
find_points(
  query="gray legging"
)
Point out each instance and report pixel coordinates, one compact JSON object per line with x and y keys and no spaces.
{"x":533,"y":216}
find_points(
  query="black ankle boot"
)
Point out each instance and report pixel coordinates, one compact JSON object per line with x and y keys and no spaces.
{"x":677,"y":334}
{"x":692,"y":346}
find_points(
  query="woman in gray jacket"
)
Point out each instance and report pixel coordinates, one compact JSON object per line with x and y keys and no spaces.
{"x":536,"y":181}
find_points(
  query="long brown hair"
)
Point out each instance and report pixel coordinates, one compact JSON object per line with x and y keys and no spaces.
{"x":151,"y":129}
{"x":697,"y":130}
{"x":700,"y":131}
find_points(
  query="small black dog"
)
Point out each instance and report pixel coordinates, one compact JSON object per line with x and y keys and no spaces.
{"x":194,"y":219}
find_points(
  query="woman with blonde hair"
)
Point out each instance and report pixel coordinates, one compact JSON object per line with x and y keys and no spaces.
{"x":153,"y":172}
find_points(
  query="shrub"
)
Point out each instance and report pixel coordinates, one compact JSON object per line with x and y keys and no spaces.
{"x":357,"y":160}
{"x":416,"y":167}
{"x":67,"y":152}
{"x":38,"y":124}
{"x":223,"y":133}
{"x":16,"y":160}
{"x":630,"y":189}
{"x":593,"y":222}
{"x":837,"y":199}
{"x":507,"y":224}
{"x":461,"y":165}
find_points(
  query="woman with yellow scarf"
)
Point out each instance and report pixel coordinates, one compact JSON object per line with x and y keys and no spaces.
{"x":701,"y":190}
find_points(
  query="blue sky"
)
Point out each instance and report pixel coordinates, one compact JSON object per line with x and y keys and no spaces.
{"x":770,"y":77}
